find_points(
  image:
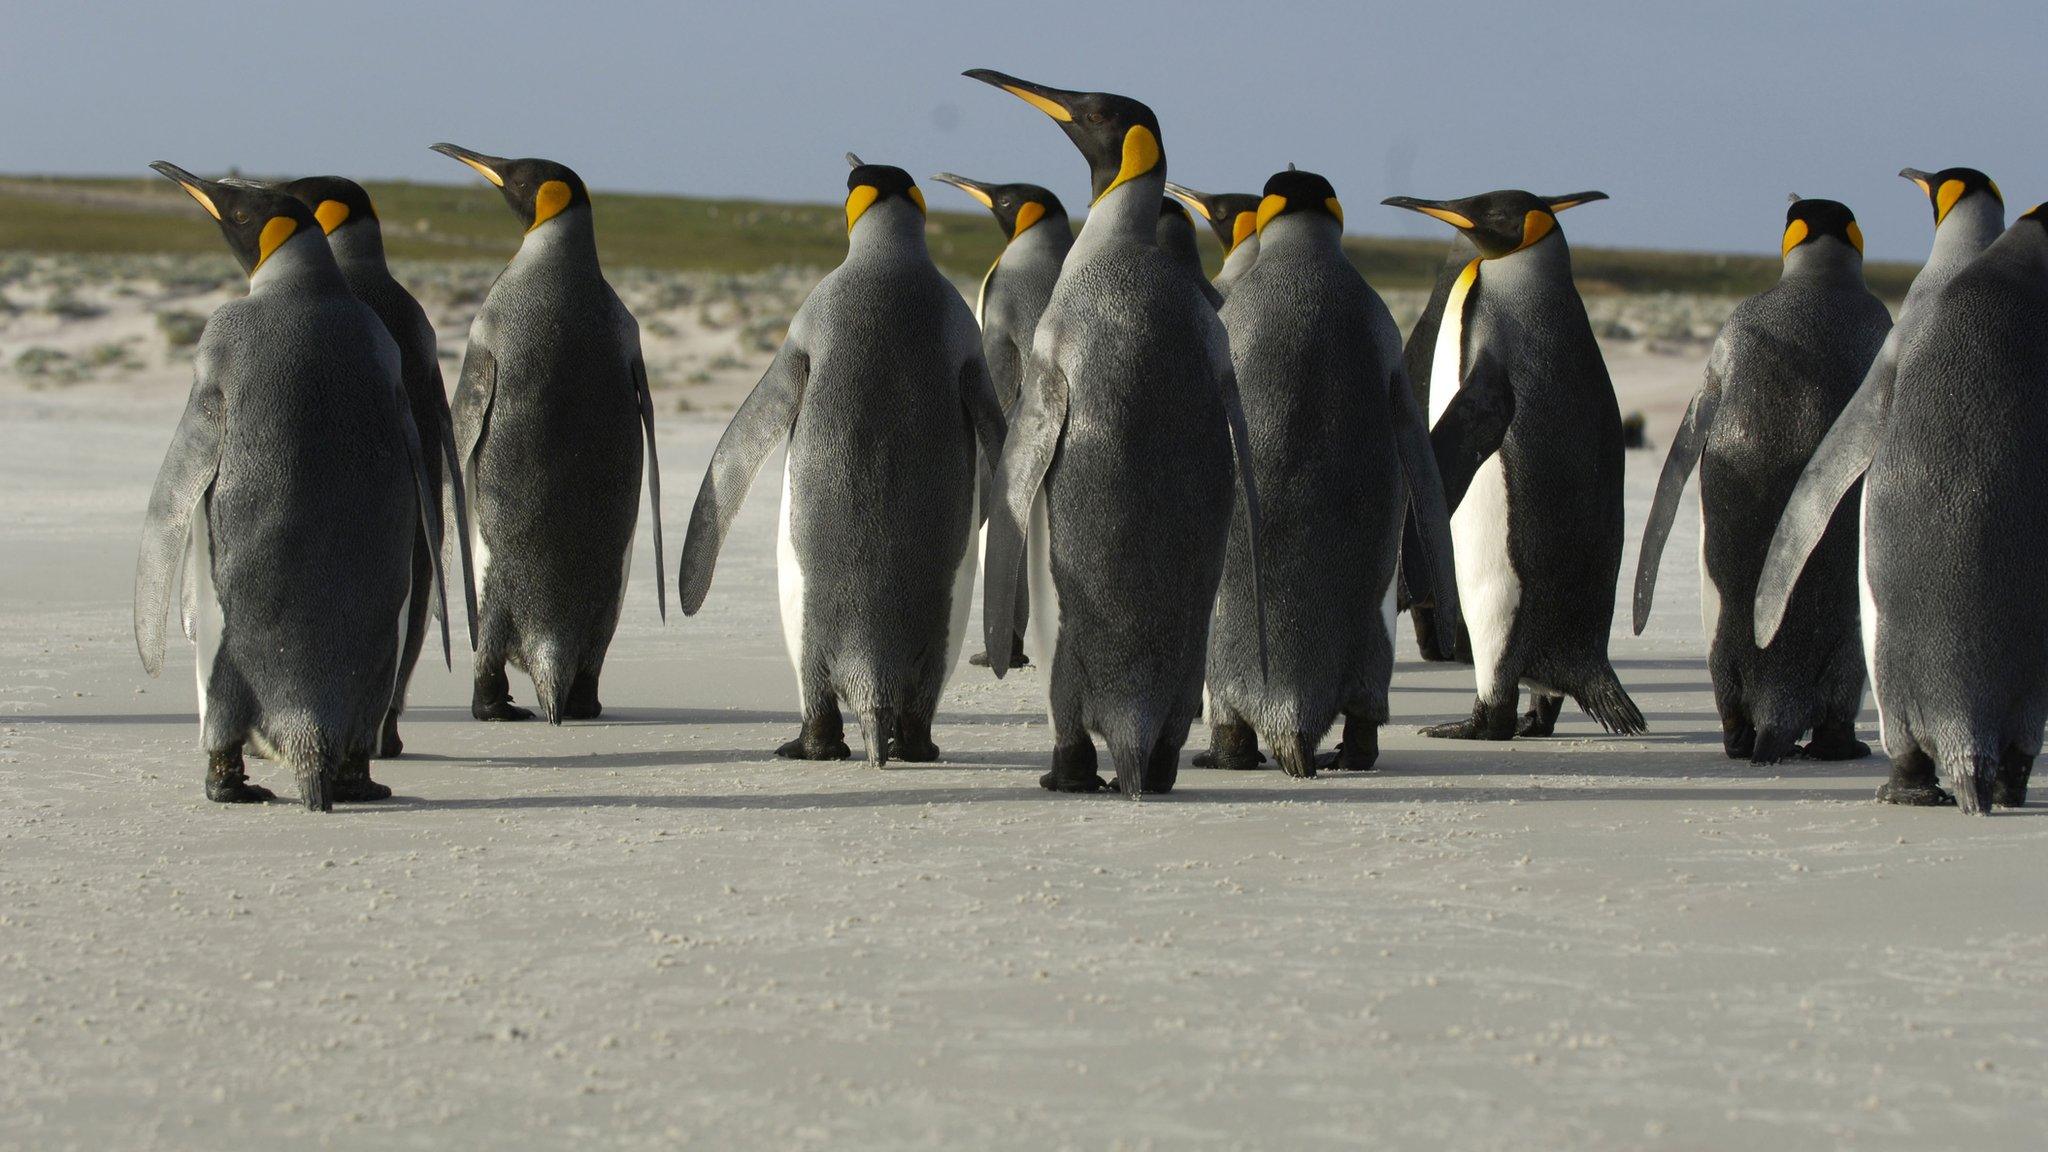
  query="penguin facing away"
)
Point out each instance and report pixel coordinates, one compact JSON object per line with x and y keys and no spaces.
{"x":1538,"y":536}
{"x":550,"y":420}
{"x":1955,"y":504}
{"x":1233,"y":216}
{"x":289,"y":501}
{"x":354,"y":234}
{"x":1013,"y":296}
{"x":1340,"y":452}
{"x":1129,"y":424}
{"x":880,"y":395}
{"x":1176,"y":238}
{"x":1969,"y":214}
{"x":1785,"y":363}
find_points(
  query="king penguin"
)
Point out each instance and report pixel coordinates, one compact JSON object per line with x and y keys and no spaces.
{"x":356,"y":237}
{"x":1233,"y":216}
{"x":1340,"y":452}
{"x":1013,"y":296}
{"x":1954,"y":509}
{"x":1539,"y":533}
{"x":1176,"y":238}
{"x":290,"y":499}
{"x":549,"y":420}
{"x":1129,"y":423}
{"x":880,"y":396}
{"x":1783,"y":367}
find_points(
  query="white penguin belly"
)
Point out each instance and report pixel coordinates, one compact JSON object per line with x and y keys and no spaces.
{"x":963,"y":586}
{"x":789,"y":581}
{"x":1447,"y":359}
{"x":1488,"y":588}
{"x":1710,"y":593}
{"x":1868,"y":601}
{"x":1388,"y":610}
{"x":1044,"y":625}
{"x":404,"y":630}
{"x":205,"y":626}
{"x":479,"y":552}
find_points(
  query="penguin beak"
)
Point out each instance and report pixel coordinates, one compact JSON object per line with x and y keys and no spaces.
{"x":1054,"y":102}
{"x":1560,"y":203}
{"x":1924,"y":179}
{"x":1438,"y":209}
{"x":1192,"y":199}
{"x":974,"y":188}
{"x":206,"y":192}
{"x":489,"y":167}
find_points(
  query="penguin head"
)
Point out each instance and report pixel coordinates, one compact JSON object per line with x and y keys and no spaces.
{"x":1233,"y":216}
{"x":1118,"y":136}
{"x":1810,"y":221}
{"x":1499,"y":223}
{"x":336,"y":201}
{"x":537,"y":190}
{"x":1294,"y":191}
{"x":1016,"y":206}
{"x":256,"y":218}
{"x":1950,"y":186}
{"x":870,"y":184}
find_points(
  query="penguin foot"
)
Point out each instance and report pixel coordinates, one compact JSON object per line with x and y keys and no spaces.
{"x":1541,"y":718}
{"x":581,"y":711}
{"x":1073,"y":770}
{"x":1017,"y":657}
{"x":582,"y":703}
{"x":389,"y":746}
{"x":2009,"y":788}
{"x":1233,"y":747}
{"x":799,"y":749}
{"x":1771,"y":746}
{"x":1739,"y":744}
{"x":501,"y":710}
{"x":226,"y":783}
{"x":354,"y":785}
{"x":1819,"y":749}
{"x":979,"y":659}
{"x":1350,"y":756}
{"x":1247,"y":764}
{"x":912,"y":751}
{"x":1465,"y":730}
{"x":1917,"y":795}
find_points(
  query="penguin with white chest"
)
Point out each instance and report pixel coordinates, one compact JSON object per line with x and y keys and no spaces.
{"x":1341,"y":452}
{"x":1013,"y":296}
{"x":1954,"y":509}
{"x":550,"y":420}
{"x":880,"y":396}
{"x":1783,"y":367}
{"x":1539,"y":533}
{"x":290,"y":499}
{"x":356,"y":237}
{"x":1233,"y":217}
{"x":1129,"y":425}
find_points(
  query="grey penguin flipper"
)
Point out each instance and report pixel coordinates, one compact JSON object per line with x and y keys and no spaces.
{"x":458,"y":508}
{"x":1429,"y":512}
{"x":1686,"y":446}
{"x":430,"y":519}
{"x":646,"y":401}
{"x":1241,"y":445}
{"x":1472,"y":426}
{"x":761,"y":425}
{"x":1843,"y":456}
{"x":471,"y":412}
{"x":188,"y":471}
{"x":1027,"y":453}
{"x":985,"y":412}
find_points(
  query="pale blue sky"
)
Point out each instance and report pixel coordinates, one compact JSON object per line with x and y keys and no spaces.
{"x":1697,"y":118}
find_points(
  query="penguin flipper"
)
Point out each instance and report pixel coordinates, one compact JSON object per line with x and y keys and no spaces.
{"x":1686,"y":447}
{"x":1844,"y":455}
{"x":1429,"y":515}
{"x":458,"y":509}
{"x":188,"y":471}
{"x":429,"y":514}
{"x":470,"y":415}
{"x":1241,"y":446}
{"x":762,"y":423}
{"x":985,"y":412}
{"x":1472,"y":426}
{"x":646,"y":399}
{"x":1027,"y":453}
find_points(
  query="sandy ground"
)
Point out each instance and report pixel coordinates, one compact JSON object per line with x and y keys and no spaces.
{"x":646,"y":932}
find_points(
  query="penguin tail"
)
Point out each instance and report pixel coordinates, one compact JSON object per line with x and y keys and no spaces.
{"x":552,"y":679}
{"x":314,"y":760}
{"x":1131,"y":748}
{"x":877,"y":728}
{"x":1296,"y":752}
{"x":1970,"y":772}
{"x":1607,"y":702}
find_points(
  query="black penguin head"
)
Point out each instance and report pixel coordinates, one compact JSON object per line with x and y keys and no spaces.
{"x":1296,"y":191}
{"x":1233,"y":216}
{"x":1118,"y":136}
{"x":1809,"y":220}
{"x":1016,"y":207}
{"x":1948,"y":187}
{"x":335,"y":200}
{"x":255,"y":218}
{"x":537,"y":190}
{"x":869,"y":184}
{"x":1499,"y":223}
{"x":2037,"y":215}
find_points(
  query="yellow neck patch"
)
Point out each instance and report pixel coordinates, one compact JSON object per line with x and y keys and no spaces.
{"x":1454,"y":304}
{"x":276,"y":231}
{"x":858,"y":202}
{"x":1141,"y":155}
{"x":917,"y":197}
{"x":331,"y":214}
{"x":1795,"y":235}
{"x":1270,"y":207}
{"x":1856,"y":237}
{"x":1335,"y":208}
{"x":1945,"y":198}
{"x":1535,"y":226}
{"x":1049,"y":107}
{"x":1031,"y":213}
{"x":1242,"y":229}
{"x":554,"y":195}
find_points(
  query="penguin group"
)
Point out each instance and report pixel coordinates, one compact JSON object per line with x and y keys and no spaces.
{"x":1183,"y":498}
